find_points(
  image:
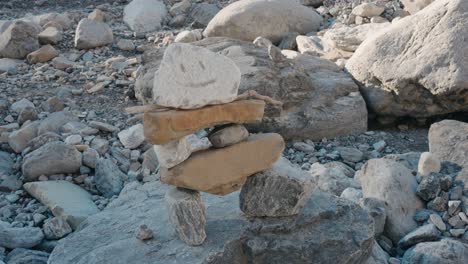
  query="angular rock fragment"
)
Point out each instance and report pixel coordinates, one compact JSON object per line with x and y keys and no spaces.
{"x":428,"y":163}
{"x":19,"y":139}
{"x":424,"y":233}
{"x":448,"y":141}
{"x":91,"y":34}
{"x":222,"y":171}
{"x":447,"y":251}
{"x":132,"y":137}
{"x":50,"y":35}
{"x":175,"y":152}
{"x":18,"y":40}
{"x":56,"y":228}
{"x":162,"y":127}
{"x":21,"y":256}
{"x":187,"y":215}
{"x":229,"y":135}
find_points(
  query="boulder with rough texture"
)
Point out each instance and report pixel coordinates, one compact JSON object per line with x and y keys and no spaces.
{"x":327,"y":229}
{"x":19,"y":237}
{"x":61,"y":19}
{"x":132,"y":137}
{"x":379,"y":256}
{"x":192,"y":77}
{"x":332,"y":179}
{"x":448,"y":140}
{"x":279,"y":191}
{"x":272,"y":19}
{"x":227,"y":136}
{"x":319,"y":99}
{"x":56,"y":228}
{"x":52,"y":158}
{"x":424,"y":233}
{"x":163,"y":127}
{"x":22,"y":256}
{"x":18,"y":40}
{"x":64,"y":199}
{"x":187,"y":215}
{"x":413,"y":6}
{"x":175,"y":152}
{"x":144,"y":15}
{"x":44,"y":54}
{"x":395,"y":185}
{"x":368,"y":10}
{"x":403,"y":71}
{"x":349,"y":38}
{"x":446,"y":251}
{"x":222,"y":171}
{"x":92,"y":34}
{"x":50,"y":35}
{"x":109,"y":178}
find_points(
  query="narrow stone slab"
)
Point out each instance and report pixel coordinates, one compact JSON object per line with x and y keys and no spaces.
{"x":187,"y":215}
{"x":222,"y":171}
{"x":63,"y":199}
{"x":162,"y":127}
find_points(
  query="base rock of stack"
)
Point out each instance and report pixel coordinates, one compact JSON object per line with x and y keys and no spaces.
{"x":279,"y":191}
{"x":222,"y":171}
{"x":162,"y":127}
{"x":187,"y":215}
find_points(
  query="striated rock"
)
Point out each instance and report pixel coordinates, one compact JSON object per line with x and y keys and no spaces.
{"x":192,"y":77}
{"x":56,"y":228}
{"x":162,"y":127}
{"x":394,"y":184}
{"x":402,"y":71}
{"x":18,"y":40}
{"x":44,"y":54}
{"x":413,"y":6}
{"x":272,"y":19}
{"x":279,"y":191}
{"x":446,"y":251}
{"x":50,"y":35}
{"x":350,"y":38}
{"x":332,"y":178}
{"x":19,"y":237}
{"x":132,"y":137}
{"x":64,"y":199}
{"x":229,"y":135}
{"x":109,"y":178}
{"x":424,"y":233}
{"x":222,"y":171}
{"x":175,"y":152}
{"x":187,"y":215}
{"x":52,"y":158}
{"x":91,"y":34}
{"x":23,"y":256}
{"x":448,"y":141}
{"x":144,"y":15}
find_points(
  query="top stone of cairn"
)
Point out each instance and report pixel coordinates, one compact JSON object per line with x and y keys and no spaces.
{"x":192,"y":77}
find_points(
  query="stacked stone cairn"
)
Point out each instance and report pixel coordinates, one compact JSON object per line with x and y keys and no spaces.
{"x":202,"y":145}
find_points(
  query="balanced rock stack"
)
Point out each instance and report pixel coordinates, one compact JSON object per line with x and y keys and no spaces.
{"x":198,"y":137}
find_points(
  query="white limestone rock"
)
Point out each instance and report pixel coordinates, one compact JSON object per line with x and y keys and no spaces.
{"x":144,"y":15}
{"x":91,"y":34}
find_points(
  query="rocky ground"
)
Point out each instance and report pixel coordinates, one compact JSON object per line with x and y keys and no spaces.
{"x":357,"y":109}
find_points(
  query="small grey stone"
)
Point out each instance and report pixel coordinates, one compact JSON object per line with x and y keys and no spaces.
{"x":350,"y":154}
{"x":304,"y":147}
{"x":439,"y":203}
{"x":100,"y":145}
{"x":56,"y":228}
{"x":132,"y":137}
{"x":456,"y":222}
{"x":422,"y":215}
{"x":352,"y":194}
{"x":144,"y":233}
{"x":90,"y":157}
{"x":437,"y":221}
{"x":229,"y":135}
{"x":379,"y":146}
{"x":109,"y":179}
{"x":453,"y":207}
{"x":421,"y":234}
{"x":457,"y":232}
{"x":103,"y":126}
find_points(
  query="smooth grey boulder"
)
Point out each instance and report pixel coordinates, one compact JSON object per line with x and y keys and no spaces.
{"x":109,"y":178}
{"x":272,"y":19}
{"x":403,"y":71}
{"x":24,"y":256}
{"x":424,"y":233}
{"x":445,"y":251}
{"x":328,"y":228}
{"x":19,"y":237}
{"x":18,"y":40}
{"x":187,"y":215}
{"x":52,"y":158}
{"x":319,"y":99}
{"x":279,"y":191}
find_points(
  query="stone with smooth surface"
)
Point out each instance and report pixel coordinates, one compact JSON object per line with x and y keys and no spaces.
{"x":413,"y":6}
{"x":445,"y":251}
{"x":279,"y":191}
{"x":22,"y":256}
{"x":349,"y":38}
{"x":222,"y":171}
{"x":109,"y":178}
{"x":428,"y":163}
{"x":424,"y":233}
{"x":162,"y":127}
{"x":19,"y":237}
{"x":92,"y":34}
{"x":368,"y":10}
{"x":144,"y":15}
{"x":175,"y":152}
{"x":50,"y":35}
{"x":64,"y":199}
{"x":44,"y":54}
{"x":19,"y":139}
{"x":187,"y":215}
{"x":132,"y":137}
{"x":192,"y":77}
{"x":229,"y":135}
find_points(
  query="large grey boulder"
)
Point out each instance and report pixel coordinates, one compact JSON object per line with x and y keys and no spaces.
{"x":18,"y":39}
{"x":272,"y":19}
{"x":393,"y":183}
{"x":405,"y":70}
{"x":55,"y":121}
{"x":446,"y":251}
{"x":144,"y":15}
{"x":327,"y":229}
{"x":320,"y":100}
{"x":448,"y":140}
{"x":91,"y":34}
{"x":52,"y":158}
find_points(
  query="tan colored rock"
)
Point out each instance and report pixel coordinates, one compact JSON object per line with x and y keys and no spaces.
{"x":428,"y":163}
{"x":97,"y":15}
{"x":165,"y":126}
{"x":50,"y":35}
{"x":225,"y":170}
{"x":228,"y":136}
{"x":44,"y":54}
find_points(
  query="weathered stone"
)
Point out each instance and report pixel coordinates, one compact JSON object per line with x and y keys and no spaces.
{"x":379,"y":256}
{"x":144,"y":15}
{"x":448,"y":141}
{"x":18,"y":40}
{"x":368,"y":10}
{"x":429,"y":187}
{"x":192,"y":77}
{"x":20,"y":105}
{"x":100,"y":145}
{"x":272,"y":19}
{"x":50,"y":35}
{"x":23,"y":256}
{"x":19,"y":237}
{"x":229,"y":135}
{"x":394,"y":184}
{"x":9,"y":65}
{"x":446,"y":251}
{"x":332,"y":178}
{"x":18,"y":140}
{"x":162,"y":127}
{"x":222,"y":171}
{"x":352,"y":194}
{"x":187,"y":215}
{"x":44,"y":54}
{"x":59,"y":18}
{"x":175,"y":152}
{"x":132,"y":137}
{"x":403,"y":72}
{"x":43,"y":139}
{"x":109,"y":178}
{"x":438,"y":222}
{"x":55,"y":121}
{"x":90,"y":157}
{"x":350,"y":154}
{"x":350,"y":38}
{"x":424,"y":233}
{"x":6,"y":169}
{"x":52,"y":158}
{"x":27,"y":114}
{"x":188,"y":36}
{"x":97,"y":15}
{"x":91,"y":34}
{"x":126,"y":44}
{"x":64,"y":199}
{"x":413,"y":6}
{"x":376,"y":209}
{"x":144,"y":233}
{"x":56,"y":228}
{"x":428,"y":163}
{"x":279,"y":191}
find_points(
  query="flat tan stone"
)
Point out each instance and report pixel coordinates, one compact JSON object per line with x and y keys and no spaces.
{"x":162,"y":127}
{"x":44,"y":54}
{"x":223,"y":171}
